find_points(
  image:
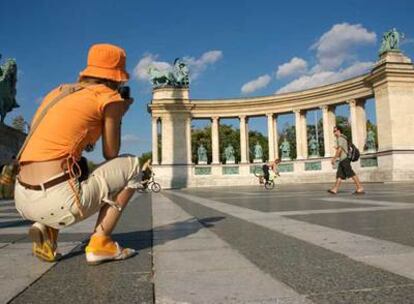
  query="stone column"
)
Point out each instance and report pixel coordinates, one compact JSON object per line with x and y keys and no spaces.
{"x":176,"y":139}
{"x":155,"y":158}
{"x":358,"y":123}
{"x":328,"y":120}
{"x":301,"y":135}
{"x":304,"y":134}
{"x":298,"y":129}
{"x":215,"y":140}
{"x":243,"y":140}
{"x":271,"y":135}
{"x":188,"y":137}
{"x":247,"y":141}
{"x":276,"y":137}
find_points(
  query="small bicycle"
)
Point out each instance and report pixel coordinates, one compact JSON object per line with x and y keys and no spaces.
{"x":270,"y":184}
{"x":153,"y":185}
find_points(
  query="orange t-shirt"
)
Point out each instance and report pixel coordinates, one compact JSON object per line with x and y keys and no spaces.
{"x":70,"y":125}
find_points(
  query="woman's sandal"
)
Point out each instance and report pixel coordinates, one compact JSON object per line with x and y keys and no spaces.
{"x":331,"y":192}
{"x":358,"y":192}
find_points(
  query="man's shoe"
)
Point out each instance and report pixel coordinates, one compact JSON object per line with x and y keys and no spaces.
{"x":44,"y":240}
{"x":103,"y":249}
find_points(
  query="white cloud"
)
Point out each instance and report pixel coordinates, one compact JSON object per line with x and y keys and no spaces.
{"x":326,"y":77}
{"x":130,"y":139}
{"x":294,"y":67}
{"x":336,"y":57}
{"x":196,"y":65}
{"x":256,"y":84}
{"x":334,"y":46}
{"x":141,"y":69}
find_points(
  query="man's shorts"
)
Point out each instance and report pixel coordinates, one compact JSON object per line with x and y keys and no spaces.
{"x":56,"y":206}
{"x":344,"y":169}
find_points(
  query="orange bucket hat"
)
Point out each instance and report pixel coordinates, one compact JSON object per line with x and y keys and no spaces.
{"x":106,"y":61}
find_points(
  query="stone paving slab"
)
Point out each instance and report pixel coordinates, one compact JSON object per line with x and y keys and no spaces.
{"x":292,"y":245}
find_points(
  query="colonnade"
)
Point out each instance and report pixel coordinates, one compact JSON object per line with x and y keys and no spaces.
{"x":358,"y":129}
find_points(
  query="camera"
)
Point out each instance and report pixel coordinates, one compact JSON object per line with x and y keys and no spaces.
{"x":125,"y":92}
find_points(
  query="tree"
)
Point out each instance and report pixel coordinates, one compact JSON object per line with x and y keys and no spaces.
{"x":198,"y":137}
{"x":312,"y":131}
{"x":144,"y":157}
{"x":289,"y":132}
{"x":254,"y":137}
{"x":343,"y":122}
{"x":19,"y":123}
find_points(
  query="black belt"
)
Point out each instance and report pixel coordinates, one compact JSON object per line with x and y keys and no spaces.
{"x":48,"y":184}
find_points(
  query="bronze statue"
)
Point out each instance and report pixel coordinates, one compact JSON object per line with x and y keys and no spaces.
{"x":391,"y":41}
{"x":177,"y":76}
{"x":8,"y":79}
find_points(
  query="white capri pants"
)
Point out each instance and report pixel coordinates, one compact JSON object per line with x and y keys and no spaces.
{"x":56,"y":206}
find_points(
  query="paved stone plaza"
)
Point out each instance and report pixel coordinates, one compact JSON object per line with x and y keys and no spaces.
{"x":295,"y":244}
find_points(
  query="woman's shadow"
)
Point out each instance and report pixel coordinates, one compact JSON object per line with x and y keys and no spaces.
{"x":143,"y":239}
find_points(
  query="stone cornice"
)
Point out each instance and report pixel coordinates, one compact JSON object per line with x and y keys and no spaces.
{"x":337,"y":93}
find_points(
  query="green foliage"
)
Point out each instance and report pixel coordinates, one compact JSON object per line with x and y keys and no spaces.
{"x":343,"y":122}
{"x":198,"y":137}
{"x":312,"y":131}
{"x":289,"y":132}
{"x":144,"y":157}
{"x":229,"y":135}
{"x":254,"y":137}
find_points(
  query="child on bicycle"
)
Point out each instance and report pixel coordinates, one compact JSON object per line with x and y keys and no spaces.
{"x":270,"y":170}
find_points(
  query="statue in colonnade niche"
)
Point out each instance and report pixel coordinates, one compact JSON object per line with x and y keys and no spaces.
{"x":285,"y":149}
{"x":391,"y":41}
{"x":176,"y":76}
{"x":229,"y":154}
{"x":313,"y":147}
{"x":202,"y":154}
{"x":258,"y":152}
{"x":371,"y":142}
{"x":8,"y":80}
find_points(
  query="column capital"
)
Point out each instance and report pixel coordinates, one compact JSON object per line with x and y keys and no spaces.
{"x":352,"y":102}
{"x":297,"y":111}
{"x":242,"y":117}
{"x":215,"y":118}
{"x":324,"y":107}
{"x":155,"y":118}
{"x":270,"y":115}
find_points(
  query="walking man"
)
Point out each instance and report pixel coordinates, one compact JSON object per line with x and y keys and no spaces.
{"x":344,"y":170}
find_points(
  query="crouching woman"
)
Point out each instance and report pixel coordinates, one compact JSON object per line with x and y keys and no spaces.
{"x":49,"y":189}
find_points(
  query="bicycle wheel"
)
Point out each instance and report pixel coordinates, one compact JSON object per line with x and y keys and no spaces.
{"x":155,"y":187}
{"x":258,"y":172}
{"x":269,"y":185}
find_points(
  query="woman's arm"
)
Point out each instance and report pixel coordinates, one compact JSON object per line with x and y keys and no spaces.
{"x":111,"y":135}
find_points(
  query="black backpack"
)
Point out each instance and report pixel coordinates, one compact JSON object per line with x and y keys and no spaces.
{"x":353,"y":152}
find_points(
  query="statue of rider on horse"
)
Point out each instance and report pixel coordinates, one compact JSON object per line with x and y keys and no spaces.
{"x":176,"y":77}
{"x":8,"y":79}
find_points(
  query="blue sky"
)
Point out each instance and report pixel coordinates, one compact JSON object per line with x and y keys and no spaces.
{"x":234,"y":48}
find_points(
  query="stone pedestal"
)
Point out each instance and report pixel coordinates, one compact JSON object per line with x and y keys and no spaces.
{"x":10,"y":142}
{"x":393,"y":82}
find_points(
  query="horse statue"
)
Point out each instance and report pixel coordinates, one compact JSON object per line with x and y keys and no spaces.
{"x":177,"y":76}
{"x":8,"y":79}
{"x":160,"y":78}
{"x":181,"y":73}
